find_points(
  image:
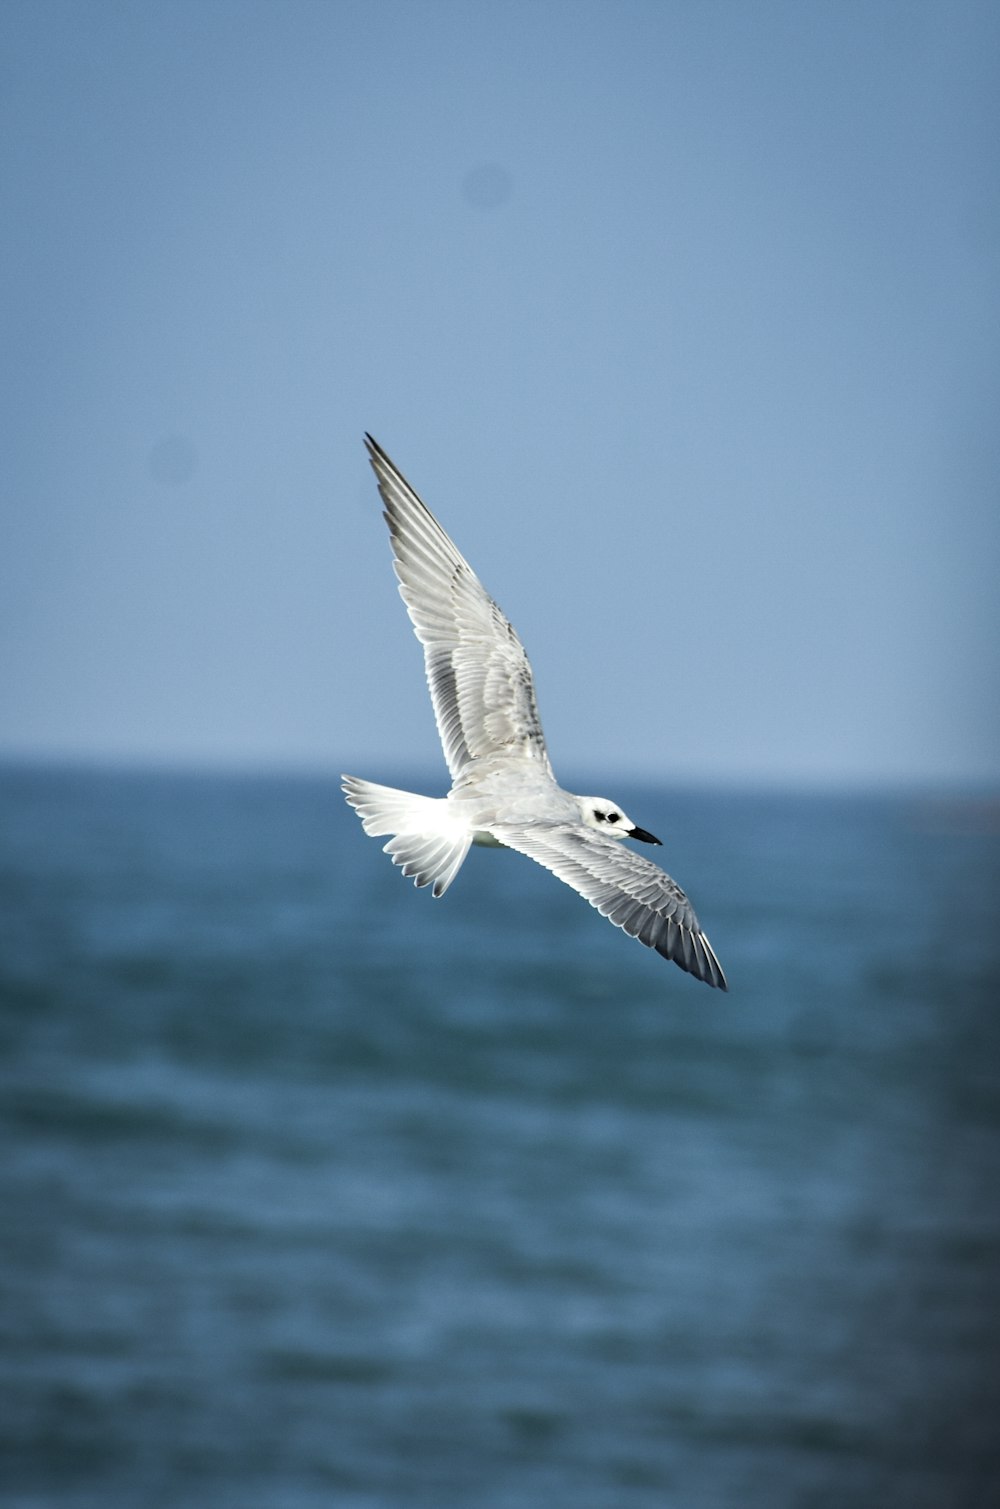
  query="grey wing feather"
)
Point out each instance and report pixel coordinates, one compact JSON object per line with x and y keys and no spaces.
{"x":625,"y":887}
{"x":478,"y":673}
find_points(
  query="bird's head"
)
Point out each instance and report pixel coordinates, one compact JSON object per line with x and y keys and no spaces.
{"x":607,"y":817}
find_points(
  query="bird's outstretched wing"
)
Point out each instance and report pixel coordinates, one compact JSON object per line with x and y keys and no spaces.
{"x":477,"y":671}
{"x":625,"y":887}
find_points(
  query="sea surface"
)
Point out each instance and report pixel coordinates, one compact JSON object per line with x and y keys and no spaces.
{"x":315,"y":1191}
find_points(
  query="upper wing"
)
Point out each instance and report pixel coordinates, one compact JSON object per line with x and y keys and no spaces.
{"x":625,"y":887}
{"x":478,"y":673}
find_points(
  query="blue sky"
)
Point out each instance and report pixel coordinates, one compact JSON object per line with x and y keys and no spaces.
{"x":682,"y":317}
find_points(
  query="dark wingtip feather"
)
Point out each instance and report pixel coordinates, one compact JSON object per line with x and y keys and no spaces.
{"x":692,"y":952}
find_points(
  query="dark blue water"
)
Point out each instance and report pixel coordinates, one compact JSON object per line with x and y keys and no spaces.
{"x":316,"y":1191}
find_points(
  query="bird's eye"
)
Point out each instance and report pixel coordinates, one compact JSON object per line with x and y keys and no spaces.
{"x":612,"y":817}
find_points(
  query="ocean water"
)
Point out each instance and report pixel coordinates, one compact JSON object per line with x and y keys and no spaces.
{"x":315,"y":1191}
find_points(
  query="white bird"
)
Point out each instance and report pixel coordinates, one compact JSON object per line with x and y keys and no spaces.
{"x":504,"y":792}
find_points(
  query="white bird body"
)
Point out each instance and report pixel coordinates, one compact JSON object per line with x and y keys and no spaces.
{"x":504,"y":792}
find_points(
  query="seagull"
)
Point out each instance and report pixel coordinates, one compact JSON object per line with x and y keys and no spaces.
{"x":504,"y":793}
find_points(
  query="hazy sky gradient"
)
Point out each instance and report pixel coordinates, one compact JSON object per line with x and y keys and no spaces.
{"x":682,"y":317}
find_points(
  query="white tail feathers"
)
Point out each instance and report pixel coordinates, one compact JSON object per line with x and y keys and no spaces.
{"x":427,"y":843}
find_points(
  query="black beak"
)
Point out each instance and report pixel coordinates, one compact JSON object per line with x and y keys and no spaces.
{"x":643,"y":836}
